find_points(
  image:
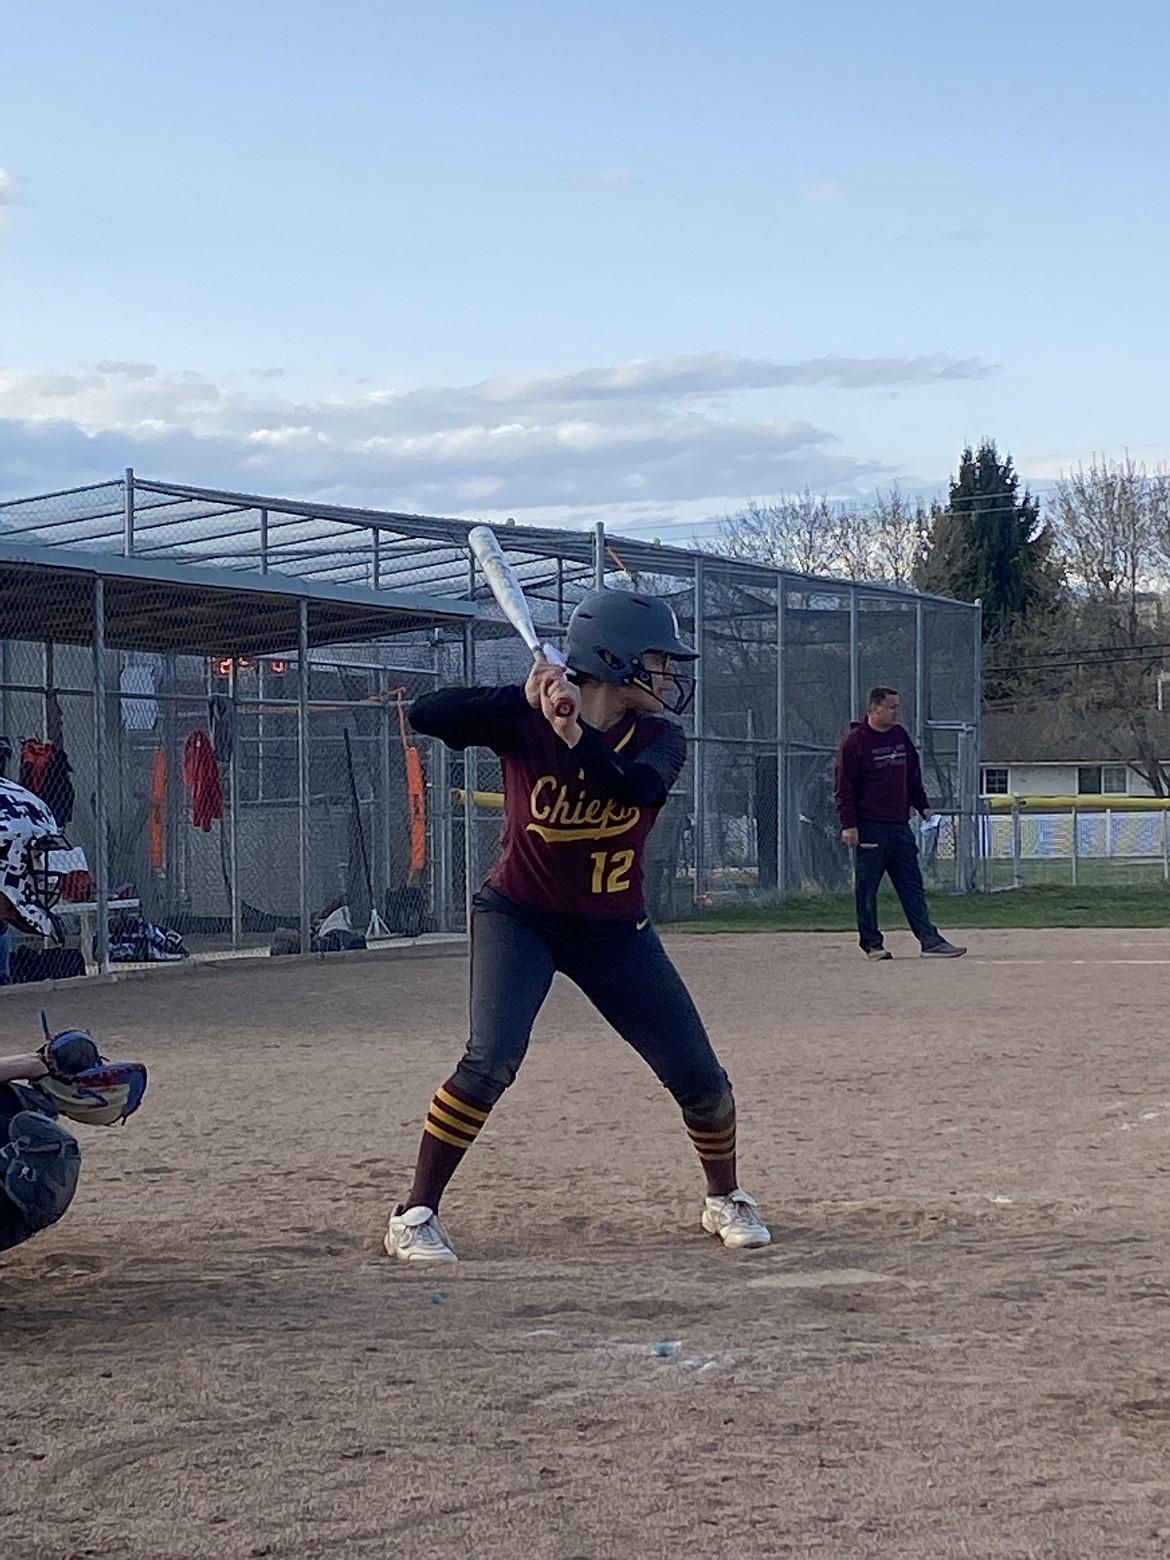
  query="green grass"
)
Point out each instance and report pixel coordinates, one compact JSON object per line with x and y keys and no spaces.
{"x":1114,"y":871}
{"x":1093,"y":905}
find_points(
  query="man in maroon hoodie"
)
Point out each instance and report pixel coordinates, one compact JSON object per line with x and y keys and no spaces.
{"x":879,"y":779}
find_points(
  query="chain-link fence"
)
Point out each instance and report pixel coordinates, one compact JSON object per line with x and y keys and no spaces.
{"x":1091,"y":844}
{"x":245,"y":767}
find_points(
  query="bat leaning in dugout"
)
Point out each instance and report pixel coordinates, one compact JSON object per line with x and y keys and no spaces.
{"x":581,"y":794}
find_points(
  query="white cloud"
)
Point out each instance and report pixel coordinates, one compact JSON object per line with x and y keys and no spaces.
{"x":11,"y":188}
{"x":604,"y":182}
{"x":1051,"y":467}
{"x":122,"y":366}
{"x":657,"y":431}
{"x":823,"y":190}
{"x":845,"y":186}
{"x":960,"y":235}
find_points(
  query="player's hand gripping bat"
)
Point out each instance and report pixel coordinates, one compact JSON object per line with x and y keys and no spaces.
{"x":505,"y":587}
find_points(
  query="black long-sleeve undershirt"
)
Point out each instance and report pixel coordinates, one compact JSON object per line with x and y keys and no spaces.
{"x":492,"y":718}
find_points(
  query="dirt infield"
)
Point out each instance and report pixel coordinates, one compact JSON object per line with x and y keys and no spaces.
{"x":957,"y":1345}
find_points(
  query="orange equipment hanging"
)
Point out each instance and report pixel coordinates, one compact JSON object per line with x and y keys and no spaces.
{"x":158,"y":812}
{"x":416,"y":792}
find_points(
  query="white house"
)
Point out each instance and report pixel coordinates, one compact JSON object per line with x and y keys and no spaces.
{"x":1020,"y":757}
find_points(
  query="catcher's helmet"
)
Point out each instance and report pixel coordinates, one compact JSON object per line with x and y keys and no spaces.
{"x":28,"y":832}
{"x":611,"y":631}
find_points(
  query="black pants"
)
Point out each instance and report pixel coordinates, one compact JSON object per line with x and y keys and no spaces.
{"x":890,"y":847}
{"x":625,"y":973}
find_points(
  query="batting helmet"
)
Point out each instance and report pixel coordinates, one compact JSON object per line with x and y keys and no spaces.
{"x":612,"y":631}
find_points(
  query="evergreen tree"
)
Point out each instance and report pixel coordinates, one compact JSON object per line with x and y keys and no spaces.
{"x":989,"y":544}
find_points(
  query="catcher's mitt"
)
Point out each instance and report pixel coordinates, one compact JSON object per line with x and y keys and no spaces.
{"x":82,"y":1084}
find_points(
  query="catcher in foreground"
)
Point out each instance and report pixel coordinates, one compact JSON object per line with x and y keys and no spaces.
{"x":39,"y":1158}
{"x":582,"y":791}
{"x":67,"y":1076}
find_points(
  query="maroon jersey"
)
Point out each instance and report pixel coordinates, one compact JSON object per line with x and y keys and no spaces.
{"x":879,"y":776}
{"x":576,"y":818}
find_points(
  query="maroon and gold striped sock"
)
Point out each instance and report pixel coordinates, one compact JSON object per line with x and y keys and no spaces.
{"x":716,"y":1149}
{"x":453,"y":1123}
{"x":454,"y":1120}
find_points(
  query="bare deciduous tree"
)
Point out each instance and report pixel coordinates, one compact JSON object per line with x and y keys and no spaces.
{"x":898,"y":529}
{"x":797,"y":532}
{"x":1095,"y":664}
{"x":1105,"y":521}
{"x":880,"y":541}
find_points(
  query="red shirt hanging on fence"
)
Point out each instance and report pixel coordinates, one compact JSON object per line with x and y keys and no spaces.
{"x":201,"y":773}
{"x":45,"y":771}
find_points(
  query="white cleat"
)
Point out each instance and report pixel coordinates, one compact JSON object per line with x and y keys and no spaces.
{"x":416,"y":1235}
{"x":736,"y":1220}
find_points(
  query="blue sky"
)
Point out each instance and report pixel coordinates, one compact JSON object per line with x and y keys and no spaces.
{"x":638,"y":261}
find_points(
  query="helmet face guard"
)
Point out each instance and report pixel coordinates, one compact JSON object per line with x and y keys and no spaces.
{"x":682,"y":683}
{"x":30,"y":888}
{"x":611,"y":632}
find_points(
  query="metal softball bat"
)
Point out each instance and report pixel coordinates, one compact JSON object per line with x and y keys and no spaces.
{"x":505,"y":587}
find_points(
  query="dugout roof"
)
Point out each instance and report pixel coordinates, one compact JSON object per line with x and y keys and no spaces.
{"x":384,"y":551}
{"x":47,"y":593}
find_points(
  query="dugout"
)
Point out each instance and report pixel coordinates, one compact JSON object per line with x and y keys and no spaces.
{"x":292,"y":632}
{"x":242,"y":760}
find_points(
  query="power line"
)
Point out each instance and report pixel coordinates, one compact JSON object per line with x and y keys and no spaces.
{"x":843,"y":512}
{"x":1075,"y":650}
{"x":1089,"y":658}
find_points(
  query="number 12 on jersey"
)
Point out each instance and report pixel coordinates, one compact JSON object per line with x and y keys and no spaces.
{"x":611,"y":872}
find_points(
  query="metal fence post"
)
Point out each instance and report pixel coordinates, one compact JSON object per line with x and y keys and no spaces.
{"x":1017,"y":879}
{"x":699,"y":776}
{"x":965,"y":819}
{"x":854,"y":658}
{"x":919,"y":673}
{"x":382,"y":808}
{"x":440,"y":818}
{"x":128,"y":513}
{"x":599,"y":555}
{"x":440,"y":814}
{"x":376,"y":547}
{"x":264,"y":541}
{"x":1076,"y":844}
{"x":781,"y":742}
{"x":977,"y":716}
{"x":985,"y":827}
{"x":470,"y":764}
{"x":234,"y":807}
{"x":303,"y":768}
{"x":101,"y":848}
{"x":977,"y":710}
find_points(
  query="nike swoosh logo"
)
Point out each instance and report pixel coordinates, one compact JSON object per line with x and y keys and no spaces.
{"x":642,"y":925}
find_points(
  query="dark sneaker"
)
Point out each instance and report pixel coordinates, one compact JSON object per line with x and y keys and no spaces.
{"x":943,"y":950}
{"x":878,"y":953}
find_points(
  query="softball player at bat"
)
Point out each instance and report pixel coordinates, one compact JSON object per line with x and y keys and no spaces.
{"x":581,"y":794}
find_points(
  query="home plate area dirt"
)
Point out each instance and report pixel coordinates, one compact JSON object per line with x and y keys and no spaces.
{"x":956,"y":1345}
